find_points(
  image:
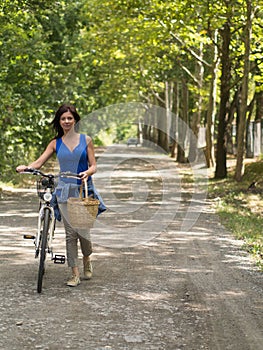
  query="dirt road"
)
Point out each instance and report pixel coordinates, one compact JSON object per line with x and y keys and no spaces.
{"x":166,"y":273}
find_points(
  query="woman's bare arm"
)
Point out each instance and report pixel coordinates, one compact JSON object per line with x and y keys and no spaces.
{"x":92,"y":160}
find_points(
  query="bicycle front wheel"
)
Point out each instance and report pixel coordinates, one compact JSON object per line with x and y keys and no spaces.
{"x":43,"y":250}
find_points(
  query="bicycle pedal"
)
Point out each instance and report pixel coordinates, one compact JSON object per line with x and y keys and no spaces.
{"x":59,"y":259}
{"x":29,"y":237}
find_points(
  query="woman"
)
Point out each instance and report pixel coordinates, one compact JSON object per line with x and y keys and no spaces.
{"x":75,"y":153}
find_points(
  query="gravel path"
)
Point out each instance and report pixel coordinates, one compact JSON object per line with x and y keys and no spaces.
{"x":167,"y":275}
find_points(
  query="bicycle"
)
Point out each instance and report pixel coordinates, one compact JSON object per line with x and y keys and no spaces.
{"x":46,"y":220}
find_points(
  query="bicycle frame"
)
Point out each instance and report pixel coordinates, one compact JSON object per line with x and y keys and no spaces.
{"x":51,"y":228}
{"x":46,"y":221}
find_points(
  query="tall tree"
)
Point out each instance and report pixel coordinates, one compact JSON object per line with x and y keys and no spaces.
{"x":211,"y":110}
{"x":244,"y":91}
{"x":221,"y":150}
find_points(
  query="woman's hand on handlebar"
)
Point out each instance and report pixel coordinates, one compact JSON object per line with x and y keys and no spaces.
{"x":83,"y":175}
{"x":21,"y":168}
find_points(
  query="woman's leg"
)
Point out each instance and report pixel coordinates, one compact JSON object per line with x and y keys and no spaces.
{"x":71,"y":248}
{"x":86,"y":248}
{"x":85,"y":242}
{"x":71,"y":245}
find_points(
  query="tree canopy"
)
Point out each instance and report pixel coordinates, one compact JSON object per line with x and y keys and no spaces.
{"x":189,"y":57}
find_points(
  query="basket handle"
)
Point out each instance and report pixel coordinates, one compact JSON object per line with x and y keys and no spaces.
{"x":81,"y":189}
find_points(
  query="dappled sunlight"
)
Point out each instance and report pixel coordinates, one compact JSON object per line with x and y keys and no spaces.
{"x":144,"y":194}
{"x":19,"y":257}
{"x":5,"y":232}
{"x":103,"y":254}
{"x":199,"y":307}
{"x":21,"y":214}
{"x":193,"y":233}
{"x":184,"y":76}
{"x":243,"y":262}
{"x":191,"y":269}
{"x":148,"y":208}
{"x":12,"y":249}
{"x":15,"y":250}
{"x":148,"y":296}
{"x":230,"y":294}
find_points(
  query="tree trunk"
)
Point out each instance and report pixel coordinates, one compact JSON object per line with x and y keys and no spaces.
{"x":175,"y":115}
{"x":234,"y":110}
{"x":244,"y":95}
{"x":182,"y":125}
{"x":197,"y":115}
{"x":259,"y":102}
{"x":145,"y":126}
{"x":212,"y":109}
{"x":221,"y":169}
{"x":169,"y":95}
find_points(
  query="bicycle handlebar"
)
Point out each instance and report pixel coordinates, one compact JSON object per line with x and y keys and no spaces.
{"x":33,"y":171}
{"x":69,"y":174}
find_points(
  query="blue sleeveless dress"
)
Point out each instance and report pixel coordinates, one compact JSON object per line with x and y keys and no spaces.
{"x":74,"y":161}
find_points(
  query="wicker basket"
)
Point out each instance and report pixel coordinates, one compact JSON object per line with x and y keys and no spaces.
{"x":82,"y":212}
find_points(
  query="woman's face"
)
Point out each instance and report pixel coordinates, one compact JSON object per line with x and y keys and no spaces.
{"x":67,"y":121}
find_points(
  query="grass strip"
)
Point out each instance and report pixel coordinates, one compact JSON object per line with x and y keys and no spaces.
{"x":240,"y":207}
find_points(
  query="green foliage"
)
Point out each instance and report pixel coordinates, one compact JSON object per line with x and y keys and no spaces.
{"x":38,"y":44}
{"x":97,"y":53}
{"x":103,"y":52}
{"x":253,"y":172}
{"x":97,"y":141}
{"x":124,"y":131}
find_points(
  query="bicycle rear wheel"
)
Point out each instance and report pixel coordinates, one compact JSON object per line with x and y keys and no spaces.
{"x":43,"y":251}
